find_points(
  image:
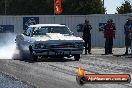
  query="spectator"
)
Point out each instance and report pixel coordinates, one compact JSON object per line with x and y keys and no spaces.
{"x":109,"y":34}
{"x":130,"y":33}
{"x":87,"y":36}
{"x":127,"y":39}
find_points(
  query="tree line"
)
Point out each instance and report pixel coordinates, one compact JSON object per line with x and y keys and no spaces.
{"x":46,"y":7}
{"x":69,"y":7}
{"x":126,"y":7}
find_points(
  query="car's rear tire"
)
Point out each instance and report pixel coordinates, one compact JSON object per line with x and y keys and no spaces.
{"x":77,"y":57}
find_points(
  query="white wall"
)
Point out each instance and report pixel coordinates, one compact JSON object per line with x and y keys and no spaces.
{"x":72,"y":21}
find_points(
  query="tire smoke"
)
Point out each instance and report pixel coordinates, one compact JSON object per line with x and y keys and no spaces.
{"x":7,"y":45}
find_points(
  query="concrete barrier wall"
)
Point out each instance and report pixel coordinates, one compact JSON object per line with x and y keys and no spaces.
{"x":72,"y":21}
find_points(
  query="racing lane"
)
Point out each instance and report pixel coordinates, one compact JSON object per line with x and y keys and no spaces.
{"x":60,"y":73}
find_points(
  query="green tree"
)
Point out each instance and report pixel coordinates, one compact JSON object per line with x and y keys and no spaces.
{"x":2,"y":7}
{"x":46,"y":7}
{"x":30,"y":7}
{"x":82,"y":7}
{"x":126,"y":7}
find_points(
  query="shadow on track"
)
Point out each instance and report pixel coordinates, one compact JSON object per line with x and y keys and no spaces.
{"x":49,"y":60}
{"x":55,"y":59}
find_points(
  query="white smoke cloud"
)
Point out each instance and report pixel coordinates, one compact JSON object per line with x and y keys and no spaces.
{"x":7,"y":52}
{"x":7,"y":45}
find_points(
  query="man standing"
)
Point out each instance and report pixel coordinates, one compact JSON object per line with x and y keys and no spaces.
{"x":126,"y":31}
{"x":109,"y":34}
{"x":130,"y":33}
{"x":87,"y":36}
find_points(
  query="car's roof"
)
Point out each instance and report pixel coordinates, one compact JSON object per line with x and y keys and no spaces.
{"x":40,"y":25}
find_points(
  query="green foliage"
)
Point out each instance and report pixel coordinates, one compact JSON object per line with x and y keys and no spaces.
{"x":126,"y":7}
{"x":46,"y":7}
{"x":30,"y":7}
{"x":2,"y":6}
{"x":82,"y":7}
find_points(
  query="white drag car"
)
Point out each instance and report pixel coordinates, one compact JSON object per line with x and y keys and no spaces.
{"x":50,"y":40}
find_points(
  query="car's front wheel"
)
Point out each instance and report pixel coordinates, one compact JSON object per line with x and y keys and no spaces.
{"x":32,"y":56}
{"x":77,"y":57}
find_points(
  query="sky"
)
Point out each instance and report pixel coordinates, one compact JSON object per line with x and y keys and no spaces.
{"x":111,"y":5}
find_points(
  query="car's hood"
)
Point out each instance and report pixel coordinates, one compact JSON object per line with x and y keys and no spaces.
{"x":55,"y":36}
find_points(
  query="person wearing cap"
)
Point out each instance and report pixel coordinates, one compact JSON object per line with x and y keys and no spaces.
{"x":109,"y":34}
{"x":87,"y":36}
{"x":127,"y":38}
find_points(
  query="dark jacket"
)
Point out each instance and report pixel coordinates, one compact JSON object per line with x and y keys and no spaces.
{"x":126,"y":28}
{"x":86,"y":31}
